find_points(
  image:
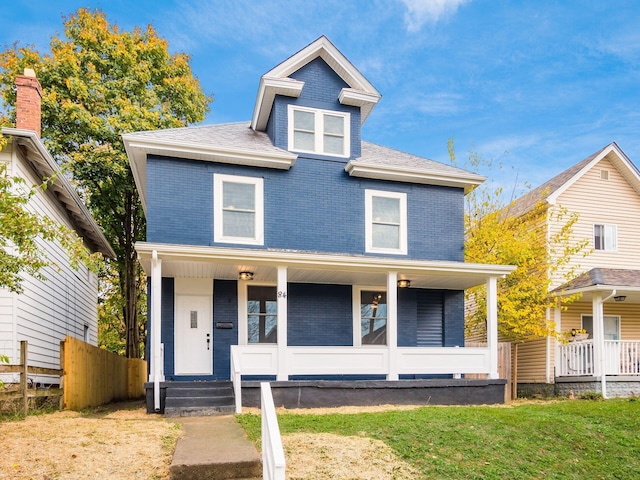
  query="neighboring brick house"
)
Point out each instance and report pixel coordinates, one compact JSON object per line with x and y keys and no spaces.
{"x":66,"y":303}
{"x":604,"y":189}
{"x":281,"y":248}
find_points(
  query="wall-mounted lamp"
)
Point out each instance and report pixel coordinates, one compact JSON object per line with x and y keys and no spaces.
{"x":404,"y":283}
{"x":620,"y":298}
{"x":246,"y":276}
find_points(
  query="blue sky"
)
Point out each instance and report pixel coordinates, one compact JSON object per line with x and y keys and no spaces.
{"x":549,"y":82}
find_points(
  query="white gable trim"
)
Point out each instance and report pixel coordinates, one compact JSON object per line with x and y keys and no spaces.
{"x":397,"y":174}
{"x":138,"y":148}
{"x":269,"y":88}
{"x":621,"y":162}
{"x":324,"y":49}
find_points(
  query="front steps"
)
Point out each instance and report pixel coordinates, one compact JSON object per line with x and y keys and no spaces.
{"x":185,"y":399}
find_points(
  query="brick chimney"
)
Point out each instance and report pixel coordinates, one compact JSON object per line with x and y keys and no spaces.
{"x":28,"y":101}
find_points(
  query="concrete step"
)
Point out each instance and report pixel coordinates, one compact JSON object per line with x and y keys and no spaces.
{"x":199,"y":401}
{"x":214,"y":448}
{"x":172,"y":412}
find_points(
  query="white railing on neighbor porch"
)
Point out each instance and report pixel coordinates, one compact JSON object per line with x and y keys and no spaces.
{"x":622,"y":357}
{"x":369,"y":360}
{"x":273,"y":462}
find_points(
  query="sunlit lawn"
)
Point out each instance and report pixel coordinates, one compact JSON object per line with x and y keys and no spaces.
{"x":562,"y":439}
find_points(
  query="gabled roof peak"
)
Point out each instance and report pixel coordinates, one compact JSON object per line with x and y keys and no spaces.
{"x":361,"y":92}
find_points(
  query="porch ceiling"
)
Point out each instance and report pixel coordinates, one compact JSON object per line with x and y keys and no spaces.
{"x":305,"y":267}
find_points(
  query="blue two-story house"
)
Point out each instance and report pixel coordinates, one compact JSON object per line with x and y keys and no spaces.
{"x":290,"y":249}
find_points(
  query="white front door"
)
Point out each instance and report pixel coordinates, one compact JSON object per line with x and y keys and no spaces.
{"x":193,"y":340}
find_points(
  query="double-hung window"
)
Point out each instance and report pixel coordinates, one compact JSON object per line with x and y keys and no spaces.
{"x":605,"y":237}
{"x":238,"y":209}
{"x":262,"y":314}
{"x":323,"y":132}
{"x":386,"y":222}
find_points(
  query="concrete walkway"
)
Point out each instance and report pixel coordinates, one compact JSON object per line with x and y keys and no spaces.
{"x":214,"y":447}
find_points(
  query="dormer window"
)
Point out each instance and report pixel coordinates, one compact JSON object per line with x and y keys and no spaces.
{"x":323,"y":132}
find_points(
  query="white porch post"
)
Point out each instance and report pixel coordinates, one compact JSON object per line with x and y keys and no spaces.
{"x":156,"y":367}
{"x":557,"y":318}
{"x":282,"y":324}
{"x":598,"y":341}
{"x":392,"y":324}
{"x":492,"y":325}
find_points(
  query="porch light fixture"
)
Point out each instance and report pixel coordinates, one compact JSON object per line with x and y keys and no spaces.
{"x":402,"y":283}
{"x":246,"y":276}
{"x":620,"y":298}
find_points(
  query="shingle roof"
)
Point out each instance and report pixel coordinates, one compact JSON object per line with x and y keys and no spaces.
{"x":378,"y":155}
{"x":603,"y":276}
{"x":550,"y":186}
{"x":242,"y":137}
{"x":226,"y":135}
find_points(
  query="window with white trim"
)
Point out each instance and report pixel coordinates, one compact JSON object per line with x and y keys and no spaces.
{"x":324,"y":132}
{"x":238,"y":209}
{"x":262,"y":314}
{"x":386,"y":222}
{"x":611,"y":325}
{"x":370,"y":316}
{"x":605,"y":237}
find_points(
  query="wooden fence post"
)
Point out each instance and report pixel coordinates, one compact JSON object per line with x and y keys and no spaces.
{"x":62,"y":402}
{"x":24,"y":379}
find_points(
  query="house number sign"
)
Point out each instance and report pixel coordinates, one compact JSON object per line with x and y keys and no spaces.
{"x":282,"y":294}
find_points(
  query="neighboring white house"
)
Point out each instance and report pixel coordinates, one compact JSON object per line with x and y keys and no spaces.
{"x":66,"y":302}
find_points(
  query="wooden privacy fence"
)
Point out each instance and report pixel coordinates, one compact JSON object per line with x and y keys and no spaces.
{"x":93,"y":376}
{"x":89,"y":376}
{"x":504,"y":366}
{"x":24,"y":392}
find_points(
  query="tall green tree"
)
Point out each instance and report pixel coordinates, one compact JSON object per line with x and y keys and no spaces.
{"x":99,"y":82}
{"x":501,"y":229}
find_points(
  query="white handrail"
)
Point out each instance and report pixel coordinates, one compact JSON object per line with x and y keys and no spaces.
{"x":273,"y":462}
{"x":236,"y":378}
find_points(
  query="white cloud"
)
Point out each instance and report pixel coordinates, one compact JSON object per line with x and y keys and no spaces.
{"x":420,"y":12}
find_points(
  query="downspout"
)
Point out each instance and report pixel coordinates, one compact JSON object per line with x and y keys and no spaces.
{"x":603,"y":376}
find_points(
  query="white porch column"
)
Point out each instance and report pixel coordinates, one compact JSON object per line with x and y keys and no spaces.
{"x":156,"y":368}
{"x":557,"y":318}
{"x":492,"y":325}
{"x":598,"y":341}
{"x":282,"y":324}
{"x":392,"y":324}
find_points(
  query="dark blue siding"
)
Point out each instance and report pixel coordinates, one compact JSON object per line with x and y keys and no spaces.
{"x":225,"y":309}
{"x":319,"y":315}
{"x":321,"y":90}
{"x":166,"y":334}
{"x":315,"y":206}
{"x":407,"y":317}
{"x":453,"y":318}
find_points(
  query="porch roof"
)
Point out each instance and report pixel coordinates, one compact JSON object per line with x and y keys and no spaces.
{"x":313,"y":267}
{"x":625,"y":282}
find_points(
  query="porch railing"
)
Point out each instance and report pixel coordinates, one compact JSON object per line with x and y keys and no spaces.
{"x":264,"y":360}
{"x":621,"y":357}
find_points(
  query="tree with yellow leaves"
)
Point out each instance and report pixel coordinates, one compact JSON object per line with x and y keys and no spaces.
{"x":99,"y":82}
{"x":515,"y":232}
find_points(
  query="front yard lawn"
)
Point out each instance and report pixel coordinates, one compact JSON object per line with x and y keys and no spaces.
{"x":559,"y":439}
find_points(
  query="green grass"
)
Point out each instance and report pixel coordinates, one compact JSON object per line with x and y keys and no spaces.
{"x":565,"y":439}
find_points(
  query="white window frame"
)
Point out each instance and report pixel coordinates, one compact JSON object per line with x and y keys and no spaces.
{"x":368,"y":213}
{"x":243,"y":314}
{"x":609,"y":238}
{"x":356,"y":293}
{"x":218,"y":235}
{"x":616,"y":317}
{"x":319,"y":130}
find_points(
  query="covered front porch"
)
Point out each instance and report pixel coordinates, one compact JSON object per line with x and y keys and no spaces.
{"x":294,"y":339}
{"x":601,"y":351}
